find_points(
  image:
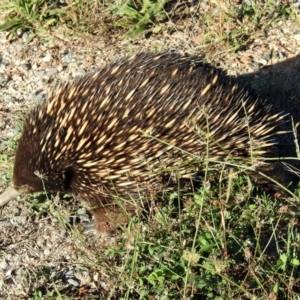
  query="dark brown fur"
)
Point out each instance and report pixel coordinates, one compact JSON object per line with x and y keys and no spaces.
{"x":115,"y":133}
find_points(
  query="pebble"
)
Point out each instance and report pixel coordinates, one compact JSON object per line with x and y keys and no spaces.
{"x":47,"y":252}
{"x":92,"y":68}
{"x":297,"y":36}
{"x":79,"y":72}
{"x":26,"y":36}
{"x":73,"y":282}
{"x":39,"y":73}
{"x":16,"y":77}
{"x":60,"y":68}
{"x":262,"y":61}
{"x":296,"y":4}
{"x":3,"y":80}
{"x":25,"y":67}
{"x":68,"y":58}
{"x":47,"y":58}
{"x":38,"y":98}
{"x":52,"y":71}
{"x":9,"y":99}
{"x":8,"y":272}
{"x":3,"y":264}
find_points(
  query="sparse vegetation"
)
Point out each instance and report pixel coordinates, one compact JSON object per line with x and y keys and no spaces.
{"x":225,"y":241}
{"x":235,"y":25}
{"x":41,"y":17}
{"x":221,"y":244}
{"x":139,"y":16}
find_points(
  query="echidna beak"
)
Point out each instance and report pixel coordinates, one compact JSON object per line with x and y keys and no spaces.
{"x":9,"y":194}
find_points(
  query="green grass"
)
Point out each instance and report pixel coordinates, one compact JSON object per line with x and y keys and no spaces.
{"x":42,"y":18}
{"x":233,"y":28}
{"x":139,"y":16}
{"x":220,"y":243}
{"x":221,"y":23}
{"x":211,"y":251}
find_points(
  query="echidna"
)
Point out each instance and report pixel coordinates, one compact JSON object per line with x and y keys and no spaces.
{"x":117,"y":132}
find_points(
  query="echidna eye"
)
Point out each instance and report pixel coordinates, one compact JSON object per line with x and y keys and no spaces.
{"x":62,"y":132}
{"x":68,"y":177}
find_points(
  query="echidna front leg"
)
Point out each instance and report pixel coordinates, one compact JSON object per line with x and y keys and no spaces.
{"x":280,"y":179}
{"x":108,"y":219}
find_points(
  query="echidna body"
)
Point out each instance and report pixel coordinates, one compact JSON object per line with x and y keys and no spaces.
{"x":115,"y":132}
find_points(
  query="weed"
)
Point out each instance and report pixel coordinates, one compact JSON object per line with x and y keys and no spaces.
{"x":36,"y":16}
{"x":40,"y":17}
{"x":189,"y":257}
{"x":139,"y":15}
{"x":237,"y":26}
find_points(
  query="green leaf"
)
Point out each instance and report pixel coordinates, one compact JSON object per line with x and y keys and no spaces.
{"x":295,"y":262}
{"x":11,"y":24}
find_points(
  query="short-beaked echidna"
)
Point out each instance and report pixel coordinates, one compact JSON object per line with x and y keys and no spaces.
{"x":119,"y":130}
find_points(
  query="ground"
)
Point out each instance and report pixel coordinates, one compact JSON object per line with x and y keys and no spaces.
{"x":36,"y":245}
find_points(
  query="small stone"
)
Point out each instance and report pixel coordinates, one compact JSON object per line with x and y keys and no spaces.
{"x":39,"y":73}
{"x":79,"y":72}
{"x":92,"y":68}
{"x":16,"y":76}
{"x":44,"y":65}
{"x":297,"y":36}
{"x":9,"y":99}
{"x":38,"y":98}
{"x":3,"y":264}
{"x":47,"y":252}
{"x":25,"y":67}
{"x":73,"y":282}
{"x":69,"y":58}
{"x":296,"y":4}
{"x":3,"y":80}
{"x":52,"y":71}
{"x":26,"y":36}
{"x":262,"y":61}
{"x":47,"y":58}
{"x":60,"y":68}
